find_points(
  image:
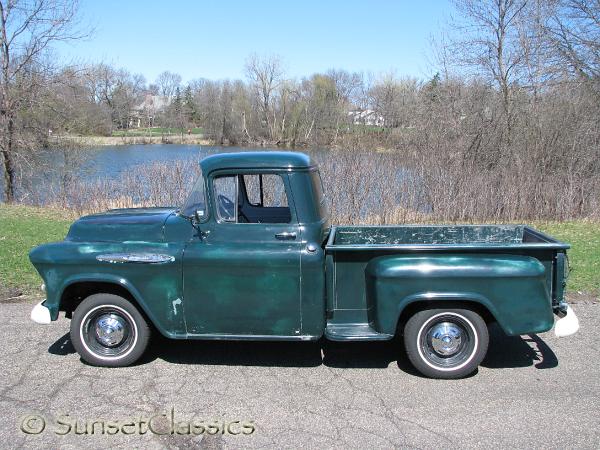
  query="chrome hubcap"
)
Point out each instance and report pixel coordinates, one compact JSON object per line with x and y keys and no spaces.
{"x":110,"y":330}
{"x":445,"y":338}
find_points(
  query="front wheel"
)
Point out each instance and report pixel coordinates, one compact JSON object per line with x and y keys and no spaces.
{"x":108,"y":330}
{"x":446,"y":343}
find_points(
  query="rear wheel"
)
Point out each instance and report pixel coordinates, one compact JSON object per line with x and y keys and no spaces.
{"x":446,"y":343}
{"x":108,"y":330}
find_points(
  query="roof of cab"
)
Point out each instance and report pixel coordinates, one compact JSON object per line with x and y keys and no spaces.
{"x":256,"y":160}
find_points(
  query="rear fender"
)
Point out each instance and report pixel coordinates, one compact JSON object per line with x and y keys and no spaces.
{"x":511,"y":287}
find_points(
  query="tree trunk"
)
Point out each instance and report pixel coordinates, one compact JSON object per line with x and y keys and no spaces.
{"x":337,"y":129}
{"x":8,"y":163}
{"x":223,"y":130}
{"x":244,"y":127}
{"x":309,"y":131}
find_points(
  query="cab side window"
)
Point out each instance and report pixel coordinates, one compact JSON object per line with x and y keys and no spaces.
{"x":265,"y":191}
{"x":251,"y":198}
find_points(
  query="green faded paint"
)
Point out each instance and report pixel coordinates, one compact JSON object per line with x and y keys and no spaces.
{"x":156,"y":287}
{"x":513,"y":288}
{"x":256,"y":161}
{"x":238,"y":281}
{"x":512,"y":270}
{"x":132,"y":224}
{"x":241,"y":280}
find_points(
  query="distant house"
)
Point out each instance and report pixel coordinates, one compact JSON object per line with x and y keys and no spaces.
{"x":145,"y":113}
{"x":366,"y":117}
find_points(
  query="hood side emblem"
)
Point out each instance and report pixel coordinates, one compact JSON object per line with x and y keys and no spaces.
{"x":136,"y":258}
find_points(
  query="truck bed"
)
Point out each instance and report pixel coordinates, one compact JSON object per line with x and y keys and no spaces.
{"x":439,"y":237}
{"x":351,"y":303}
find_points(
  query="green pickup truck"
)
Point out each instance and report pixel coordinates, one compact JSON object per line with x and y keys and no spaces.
{"x":252,"y":255}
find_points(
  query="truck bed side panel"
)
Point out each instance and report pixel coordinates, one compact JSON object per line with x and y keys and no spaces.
{"x":512,"y":287}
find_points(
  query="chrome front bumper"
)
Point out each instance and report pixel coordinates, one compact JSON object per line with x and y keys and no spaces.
{"x":568,"y":323}
{"x":41,"y":314}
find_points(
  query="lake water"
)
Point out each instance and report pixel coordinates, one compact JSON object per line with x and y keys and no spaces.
{"x":111,"y":161}
{"x":42,"y":171}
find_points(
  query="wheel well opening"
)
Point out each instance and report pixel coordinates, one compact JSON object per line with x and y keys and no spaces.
{"x":74,"y":294}
{"x":417,"y":306}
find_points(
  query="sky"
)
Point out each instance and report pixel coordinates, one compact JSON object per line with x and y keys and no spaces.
{"x":213,"y":39}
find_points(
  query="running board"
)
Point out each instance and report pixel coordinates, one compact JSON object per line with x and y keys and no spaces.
{"x":354,"y":332}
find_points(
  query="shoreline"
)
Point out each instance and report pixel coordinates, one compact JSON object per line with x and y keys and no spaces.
{"x":193,"y":139}
{"x":176,"y":139}
{"x":95,"y":141}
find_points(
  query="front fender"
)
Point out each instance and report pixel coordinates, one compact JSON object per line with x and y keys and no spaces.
{"x":511,"y":287}
{"x":157,"y":288}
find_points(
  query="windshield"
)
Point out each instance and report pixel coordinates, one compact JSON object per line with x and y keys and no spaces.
{"x":196,"y":202}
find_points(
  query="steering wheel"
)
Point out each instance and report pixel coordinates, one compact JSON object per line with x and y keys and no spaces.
{"x":226,"y":206}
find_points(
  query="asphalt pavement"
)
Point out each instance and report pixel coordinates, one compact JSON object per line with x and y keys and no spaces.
{"x":531,"y":392}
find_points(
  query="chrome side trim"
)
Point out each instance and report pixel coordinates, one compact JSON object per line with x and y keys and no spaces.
{"x":136,"y":258}
{"x":252,"y":337}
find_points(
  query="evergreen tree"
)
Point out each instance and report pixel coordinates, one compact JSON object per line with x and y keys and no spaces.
{"x":190,"y":108}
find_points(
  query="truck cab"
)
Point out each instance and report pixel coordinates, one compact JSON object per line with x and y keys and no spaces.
{"x":251,"y":255}
{"x":256,"y":269}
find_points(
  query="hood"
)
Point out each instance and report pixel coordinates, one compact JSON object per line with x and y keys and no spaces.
{"x":121,"y":225}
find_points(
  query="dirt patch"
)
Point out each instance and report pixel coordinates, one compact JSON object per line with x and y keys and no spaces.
{"x":582,"y":298}
{"x":17,"y":295}
{"x":11,"y":295}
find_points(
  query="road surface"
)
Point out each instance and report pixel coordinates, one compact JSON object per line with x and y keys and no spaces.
{"x":532,"y":392}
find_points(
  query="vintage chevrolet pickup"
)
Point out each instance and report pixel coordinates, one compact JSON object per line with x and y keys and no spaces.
{"x":251,"y":255}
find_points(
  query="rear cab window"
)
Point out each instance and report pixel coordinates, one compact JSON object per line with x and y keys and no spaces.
{"x":318,"y":194}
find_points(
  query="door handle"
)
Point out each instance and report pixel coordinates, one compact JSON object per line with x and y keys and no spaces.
{"x":285,"y":236}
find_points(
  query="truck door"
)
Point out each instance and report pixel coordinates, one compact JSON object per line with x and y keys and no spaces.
{"x":242,"y":274}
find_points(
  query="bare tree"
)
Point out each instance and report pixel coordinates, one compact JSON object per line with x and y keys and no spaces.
{"x":346,"y":89}
{"x":27,"y":30}
{"x":117,"y":89}
{"x":167,"y":83}
{"x":265,"y":76}
{"x":487,"y":40}
{"x":574,"y":33}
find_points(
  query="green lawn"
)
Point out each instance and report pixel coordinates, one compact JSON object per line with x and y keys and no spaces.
{"x":22,"y":228}
{"x":157,"y":131}
{"x":584,"y":255}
